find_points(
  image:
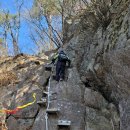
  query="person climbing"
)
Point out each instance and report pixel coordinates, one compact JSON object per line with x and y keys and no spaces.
{"x":62,"y":59}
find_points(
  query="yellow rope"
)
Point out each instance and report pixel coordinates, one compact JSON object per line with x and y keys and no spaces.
{"x":19,"y":107}
{"x":29,"y":104}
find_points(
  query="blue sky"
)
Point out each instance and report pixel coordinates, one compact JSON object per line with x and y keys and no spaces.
{"x":26,"y":45}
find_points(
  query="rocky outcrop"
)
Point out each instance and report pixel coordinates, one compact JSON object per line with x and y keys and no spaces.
{"x":24,"y":82}
{"x":95,"y":93}
{"x":102,"y":60}
{"x":84,"y":107}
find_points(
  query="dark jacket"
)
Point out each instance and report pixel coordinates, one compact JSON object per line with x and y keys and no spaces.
{"x":59,"y":58}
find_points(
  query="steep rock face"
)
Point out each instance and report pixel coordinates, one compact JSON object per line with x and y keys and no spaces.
{"x":21,"y":74}
{"x":100,"y":113}
{"x":102,"y":59}
{"x":95,"y":91}
{"x":25,"y":118}
{"x":84,"y":107}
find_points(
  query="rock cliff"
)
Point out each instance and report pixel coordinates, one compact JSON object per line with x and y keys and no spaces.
{"x":95,"y":93}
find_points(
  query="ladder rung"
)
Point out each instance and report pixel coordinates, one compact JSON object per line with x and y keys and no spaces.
{"x":52,"y":110}
{"x":46,"y":93}
{"x":64,"y":123}
{"x":51,"y":93}
{"x":43,"y":101}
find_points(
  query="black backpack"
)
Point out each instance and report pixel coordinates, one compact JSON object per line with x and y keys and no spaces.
{"x":62,"y":57}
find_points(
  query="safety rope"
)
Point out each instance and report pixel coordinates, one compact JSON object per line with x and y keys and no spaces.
{"x":48,"y":99}
{"x":48,"y":104}
{"x":14,"y":111}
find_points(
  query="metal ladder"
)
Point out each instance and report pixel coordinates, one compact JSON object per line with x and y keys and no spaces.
{"x":61,"y":123}
{"x":48,"y":110}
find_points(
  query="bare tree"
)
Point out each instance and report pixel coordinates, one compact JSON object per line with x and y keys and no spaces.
{"x":4,"y":33}
{"x":11,"y":26}
{"x":44,"y":30}
{"x":46,"y":8}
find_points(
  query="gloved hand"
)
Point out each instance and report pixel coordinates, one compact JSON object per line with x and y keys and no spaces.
{"x":53,"y":61}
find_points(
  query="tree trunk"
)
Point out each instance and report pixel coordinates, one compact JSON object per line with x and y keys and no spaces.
{"x":16,"y":48}
{"x":49,"y":17}
{"x":63,"y":20}
{"x":5,"y":43}
{"x":15,"y":44}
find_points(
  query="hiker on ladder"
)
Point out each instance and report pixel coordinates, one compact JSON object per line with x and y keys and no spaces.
{"x":62,"y":59}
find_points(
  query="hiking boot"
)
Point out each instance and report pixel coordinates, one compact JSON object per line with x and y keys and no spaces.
{"x":54,"y":77}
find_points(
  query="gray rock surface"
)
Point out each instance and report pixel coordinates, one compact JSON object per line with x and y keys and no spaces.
{"x":95,"y":93}
{"x":124,"y":114}
{"x":95,"y":120}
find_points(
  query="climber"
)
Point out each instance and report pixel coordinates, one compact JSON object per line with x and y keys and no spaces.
{"x":62,"y":59}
